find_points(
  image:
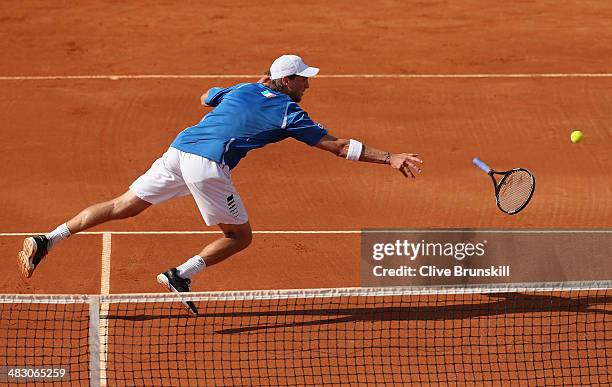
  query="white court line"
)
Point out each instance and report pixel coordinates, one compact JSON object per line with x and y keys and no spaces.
{"x":116,"y":77}
{"x":191,"y":232}
{"x":104,"y":306}
{"x":333,"y":232}
{"x":106,"y":262}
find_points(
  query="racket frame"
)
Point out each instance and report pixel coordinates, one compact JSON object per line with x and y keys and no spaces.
{"x":497,"y":185}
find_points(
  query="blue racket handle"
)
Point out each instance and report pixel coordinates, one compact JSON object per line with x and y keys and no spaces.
{"x":481,"y":164}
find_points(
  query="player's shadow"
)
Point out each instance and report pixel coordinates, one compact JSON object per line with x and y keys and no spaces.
{"x":507,"y":303}
{"x":500,"y":304}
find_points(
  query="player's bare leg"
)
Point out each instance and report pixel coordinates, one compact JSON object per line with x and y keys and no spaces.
{"x":121,"y":207}
{"x":236,"y":237}
{"x":35,"y":248}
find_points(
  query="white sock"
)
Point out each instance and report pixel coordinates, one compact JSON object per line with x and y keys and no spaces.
{"x":192,"y":267}
{"x":59,"y":234}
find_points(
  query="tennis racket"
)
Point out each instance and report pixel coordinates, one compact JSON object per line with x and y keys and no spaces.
{"x":514,"y":190}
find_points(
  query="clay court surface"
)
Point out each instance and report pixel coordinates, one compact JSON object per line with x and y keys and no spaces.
{"x":447,"y":80}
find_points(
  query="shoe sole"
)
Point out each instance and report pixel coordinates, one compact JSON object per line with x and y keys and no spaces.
{"x":163,"y":281}
{"x":25,"y":257}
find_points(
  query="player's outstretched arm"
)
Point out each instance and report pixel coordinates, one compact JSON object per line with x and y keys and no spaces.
{"x":406,"y":163}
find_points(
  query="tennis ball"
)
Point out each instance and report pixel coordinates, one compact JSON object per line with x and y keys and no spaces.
{"x":576,"y":136}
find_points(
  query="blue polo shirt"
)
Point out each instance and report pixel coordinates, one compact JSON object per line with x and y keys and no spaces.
{"x":246,"y":116}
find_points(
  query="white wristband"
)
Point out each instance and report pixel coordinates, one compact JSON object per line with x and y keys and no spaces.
{"x":354,"y":150}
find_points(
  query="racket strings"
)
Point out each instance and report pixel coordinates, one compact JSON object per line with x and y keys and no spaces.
{"x":515,"y":190}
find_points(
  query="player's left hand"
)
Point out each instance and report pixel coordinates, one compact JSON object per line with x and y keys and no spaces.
{"x":264,"y":79}
{"x":406,"y":163}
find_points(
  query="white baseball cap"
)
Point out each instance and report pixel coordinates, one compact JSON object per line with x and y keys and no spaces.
{"x":287,"y":65}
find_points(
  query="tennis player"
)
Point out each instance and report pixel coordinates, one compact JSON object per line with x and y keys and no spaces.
{"x":199,"y":162}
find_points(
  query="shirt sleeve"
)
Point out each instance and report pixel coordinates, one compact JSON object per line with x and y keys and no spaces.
{"x":216,"y":94}
{"x":301,"y":127}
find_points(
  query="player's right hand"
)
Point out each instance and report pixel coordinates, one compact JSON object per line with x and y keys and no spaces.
{"x":406,"y":163}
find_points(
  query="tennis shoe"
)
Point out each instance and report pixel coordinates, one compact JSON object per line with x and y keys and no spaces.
{"x":170,"y":280}
{"x":34,"y":250}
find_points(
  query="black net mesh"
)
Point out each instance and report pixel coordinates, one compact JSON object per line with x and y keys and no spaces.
{"x":519,"y":338}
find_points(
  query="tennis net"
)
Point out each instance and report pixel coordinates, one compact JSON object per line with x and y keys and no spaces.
{"x":545,"y":334}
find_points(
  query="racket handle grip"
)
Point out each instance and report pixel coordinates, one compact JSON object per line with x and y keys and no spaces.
{"x":481,"y":164}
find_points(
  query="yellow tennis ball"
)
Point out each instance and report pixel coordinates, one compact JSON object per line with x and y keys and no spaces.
{"x":576,"y":136}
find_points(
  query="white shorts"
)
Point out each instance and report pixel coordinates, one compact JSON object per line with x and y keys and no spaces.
{"x":177,"y":173}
